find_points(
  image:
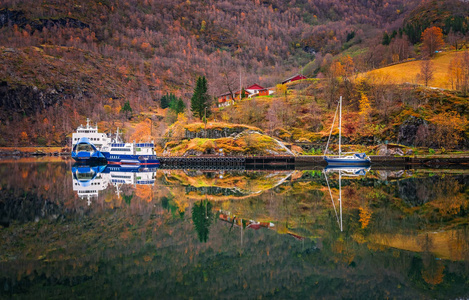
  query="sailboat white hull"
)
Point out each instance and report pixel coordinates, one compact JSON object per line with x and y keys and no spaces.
{"x":346,"y":161}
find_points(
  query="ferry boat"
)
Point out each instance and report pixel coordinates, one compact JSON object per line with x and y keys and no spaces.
{"x":91,"y":146}
{"x":121,"y":153}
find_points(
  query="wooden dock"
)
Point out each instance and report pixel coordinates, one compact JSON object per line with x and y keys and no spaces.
{"x":294,"y":162}
{"x":227,"y":162}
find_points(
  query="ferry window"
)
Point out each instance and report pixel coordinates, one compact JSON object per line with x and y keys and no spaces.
{"x":84,"y":147}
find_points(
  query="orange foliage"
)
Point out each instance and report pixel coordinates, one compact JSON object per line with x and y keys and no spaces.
{"x":449,"y":126}
{"x":365,"y":216}
{"x":144,"y":192}
{"x":142,"y":132}
{"x":432,"y":40}
{"x":337,"y":69}
{"x":433,"y":274}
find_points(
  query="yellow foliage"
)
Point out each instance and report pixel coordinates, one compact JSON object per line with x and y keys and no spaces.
{"x":281,"y":89}
{"x":365,"y":107}
{"x":107,"y":109}
{"x":365,"y":216}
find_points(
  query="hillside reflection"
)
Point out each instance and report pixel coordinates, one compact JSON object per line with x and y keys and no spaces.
{"x":203,"y":234}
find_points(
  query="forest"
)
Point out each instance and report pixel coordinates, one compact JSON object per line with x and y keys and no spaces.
{"x":114,"y":61}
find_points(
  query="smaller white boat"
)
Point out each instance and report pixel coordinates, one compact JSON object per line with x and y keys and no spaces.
{"x":344,"y":158}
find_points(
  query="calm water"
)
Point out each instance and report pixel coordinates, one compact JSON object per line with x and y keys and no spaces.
{"x":174,"y":234}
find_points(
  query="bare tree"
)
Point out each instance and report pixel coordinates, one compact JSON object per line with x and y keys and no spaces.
{"x":426,"y":71}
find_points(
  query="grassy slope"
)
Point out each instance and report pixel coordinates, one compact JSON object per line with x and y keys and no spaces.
{"x":407,"y":72}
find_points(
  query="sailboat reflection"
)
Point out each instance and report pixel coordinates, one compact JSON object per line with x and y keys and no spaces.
{"x":89,"y":180}
{"x":347,"y":171}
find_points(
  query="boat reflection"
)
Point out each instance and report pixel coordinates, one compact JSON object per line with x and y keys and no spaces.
{"x":347,"y":171}
{"x":88,"y":181}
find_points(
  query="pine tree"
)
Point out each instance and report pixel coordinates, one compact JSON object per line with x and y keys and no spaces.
{"x":126,"y":109}
{"x":164,"y":101}
{"x":200,"y":99}
{"x":386,"y":39}
{"x":180,"y":106}
{"x":243,"y":93}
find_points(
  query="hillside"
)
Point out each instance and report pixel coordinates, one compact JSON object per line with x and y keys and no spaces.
{"x":407,"y":72}
{"x":63,"y":61}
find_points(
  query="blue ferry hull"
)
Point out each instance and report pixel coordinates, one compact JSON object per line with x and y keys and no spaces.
{"x":90,"y":155}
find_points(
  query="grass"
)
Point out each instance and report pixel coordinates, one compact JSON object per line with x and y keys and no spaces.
{"x":407,"y":72}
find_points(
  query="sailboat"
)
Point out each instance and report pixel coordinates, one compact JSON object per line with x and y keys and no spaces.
{"x":344,"y":158}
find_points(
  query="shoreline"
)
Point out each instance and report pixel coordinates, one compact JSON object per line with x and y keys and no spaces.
{"x":300,"y":160}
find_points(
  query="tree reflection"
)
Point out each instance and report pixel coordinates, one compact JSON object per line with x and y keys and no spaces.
{"x":202,"y":216}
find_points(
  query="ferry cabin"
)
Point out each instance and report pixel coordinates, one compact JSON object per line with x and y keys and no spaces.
{"x":133,"y":178}
{"x":88,"y":186}
{"x":90,"y":132}
{"x":118,"y":150}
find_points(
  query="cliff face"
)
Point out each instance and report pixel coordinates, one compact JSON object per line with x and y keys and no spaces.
{"x":28,"y":99}
{"x":14,"y":17}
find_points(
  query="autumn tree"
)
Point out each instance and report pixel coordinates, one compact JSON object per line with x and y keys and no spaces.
{"x":426,"y":71}
{"x":365,"y":107}
{"x":335,"y":71}
{"x":432,"y":40}
{"x":458,"y":72}
{"x":282,"y":89}
{"x":200,"y":105}
{"x":448,"y":128}
{"x":143,"y":131}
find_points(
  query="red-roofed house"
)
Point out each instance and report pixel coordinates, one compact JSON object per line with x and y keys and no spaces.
{"x":294,"y":78}
{"x":254,"y":90}
{"x":257,"y":90}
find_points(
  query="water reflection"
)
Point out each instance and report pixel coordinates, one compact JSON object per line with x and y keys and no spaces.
{"x":349,"y":171}
{"x":222,"y":234}
{"x":88,"y":181}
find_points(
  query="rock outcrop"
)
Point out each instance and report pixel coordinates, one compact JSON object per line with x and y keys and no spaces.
{"x":14,"y":17}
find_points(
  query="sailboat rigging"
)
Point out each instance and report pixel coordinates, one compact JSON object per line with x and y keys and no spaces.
{"x":350,"y":158}
{"x":349,"y":171}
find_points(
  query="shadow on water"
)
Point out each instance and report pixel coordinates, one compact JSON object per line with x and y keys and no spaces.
{"x":110,"y":231}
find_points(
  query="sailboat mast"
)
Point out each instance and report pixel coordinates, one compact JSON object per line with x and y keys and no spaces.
{"x":340,"y":197}
{"x":340,"y":126}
